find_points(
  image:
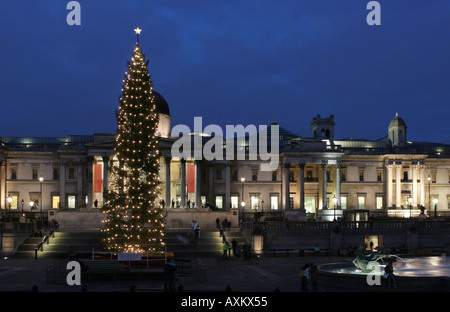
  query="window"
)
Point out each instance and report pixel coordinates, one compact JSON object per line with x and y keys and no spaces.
{"x":291,"y":176}
{"x":234,"y":175}
{"x":274,"y":202}
{"x":361,"y":175}
{"x":254,"y":202}
{"x":379,"y":202}
{"x":329,"y":177}
{"x":14,"y":202}
{"x":380,"y":176}
{"x":361,"y":202}
{"x":310,"y":204}
{"x":234,"y":202}
{"x":405,"y":175}
{"x":71,"y":173}
{"x":254,"y":174}
{"x":274,"y":176}
{"x":203,"y":199}
{"x":433,"y":177}
{"x":219,"y":202}
{"x":343,"y":202}
{"x":55,"y":201}
{"x":35,"y":173}
{"x":219,"y":174}
{"x":55,"y":173}
{"x":343,"y":176}
{"x":309,"y":175}
{"x":448,"y":201}
{"x":13,"y":173}
{"x":71,"y":201}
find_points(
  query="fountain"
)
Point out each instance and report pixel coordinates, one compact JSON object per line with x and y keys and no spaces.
{"x":412,"y":272}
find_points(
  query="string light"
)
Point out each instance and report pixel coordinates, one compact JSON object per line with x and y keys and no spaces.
{"x":134,"y":220}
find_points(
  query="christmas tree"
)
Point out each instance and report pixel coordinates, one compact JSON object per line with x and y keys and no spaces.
{"x":134,"y":221}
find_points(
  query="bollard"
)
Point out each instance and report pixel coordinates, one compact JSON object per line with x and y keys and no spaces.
{"x":228,"y":288}
{"x":180,"y":288}
{"x":84,"y":288}
{"x":34,"y":288}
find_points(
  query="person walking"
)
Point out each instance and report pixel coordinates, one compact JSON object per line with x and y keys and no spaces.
{"x":389,"y":270}
{"x":225,"y":250}
{"x":314,"y":275}
{"x":304,"y":275}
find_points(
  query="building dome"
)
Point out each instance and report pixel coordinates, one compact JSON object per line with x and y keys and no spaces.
{"x":161,"y":104}
{"x":164,"y":115}
{"x":397,"y":121}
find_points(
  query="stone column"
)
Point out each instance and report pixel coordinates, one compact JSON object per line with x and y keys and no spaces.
{"x":302,"y":187}
{"x":227,"y":185}
{"x":398,"y":186}
{"x":324,"y":183}
{"x":211,"y":183}
{"x":338,"y":184}
{"x":286,"y":187}
{"x":414,"y":184}
{"x":89,"y":181}
{"x":62,"y":185}
{"x":388,"y":185}
{"x":183,"y":183}
{"x":167,"y":199}
{"x":198,"y":184}
{"x":423,"y":181}
{"x":80,"y":202}
{"x":105,"y":174}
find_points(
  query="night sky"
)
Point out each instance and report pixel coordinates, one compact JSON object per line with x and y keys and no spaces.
{"x":230,"y":62}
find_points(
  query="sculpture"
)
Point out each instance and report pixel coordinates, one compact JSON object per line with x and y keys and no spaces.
{"x":362,"y":260}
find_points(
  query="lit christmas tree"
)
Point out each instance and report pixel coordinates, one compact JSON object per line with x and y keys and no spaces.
{"x":135,"y":222}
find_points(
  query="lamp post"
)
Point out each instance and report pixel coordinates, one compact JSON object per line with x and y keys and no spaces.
{"x":242,"y":195}
{"x":262,"y":207}
{"x":435,"y":201}
{"x":9,"y":199}
{"x":41,"y":179}
{"x":334,"y":210}
{"x":22,"y":202}
{"x":429,"y":195}
{"x":410,"y":205}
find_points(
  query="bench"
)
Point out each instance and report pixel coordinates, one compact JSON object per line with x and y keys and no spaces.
{"x":281,"y":250}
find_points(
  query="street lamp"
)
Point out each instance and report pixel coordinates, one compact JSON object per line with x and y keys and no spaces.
{"x":9,"y":199}
{"x":429,"y":195}
{"x":410,"y":205}
{"x":334,"y":210}
{"x":22,"y":202}
{"x":435,"y":201}
{"x":262,"y":207}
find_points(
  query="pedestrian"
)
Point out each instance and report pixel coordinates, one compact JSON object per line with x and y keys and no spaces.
{"x":197,"y":232}
{"x":304,"y":274}
{"x":217,"y":223}
{"x":314,"y":275}
{"x":96,"y":203}
{"x":169,"y":275}
{"x":233,"y":246}
{"x":389,"y":270}
{"x":225,"y":250}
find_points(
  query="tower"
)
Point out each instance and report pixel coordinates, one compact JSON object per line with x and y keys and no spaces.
{"x":397,"y":132}
{"x":323,"y":128}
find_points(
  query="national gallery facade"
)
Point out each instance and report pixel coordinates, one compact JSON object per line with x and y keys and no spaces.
{"x":318,"y":177}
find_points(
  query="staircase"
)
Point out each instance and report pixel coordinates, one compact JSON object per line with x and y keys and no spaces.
{"x":179,"y":241}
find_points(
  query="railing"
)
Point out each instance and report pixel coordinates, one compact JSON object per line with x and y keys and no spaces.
{"x":346,"y":225}
{"x":46,"y":239}
{"x":111,"y":255}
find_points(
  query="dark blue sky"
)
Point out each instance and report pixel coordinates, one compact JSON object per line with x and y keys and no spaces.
{"x":230,"y":62}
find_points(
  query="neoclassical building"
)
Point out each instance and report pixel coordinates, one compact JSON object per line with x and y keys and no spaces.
{"x":317,"y":176}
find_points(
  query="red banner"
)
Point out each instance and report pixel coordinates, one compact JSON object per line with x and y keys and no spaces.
{"x":190,"y":178}
{"x":98,"y":177}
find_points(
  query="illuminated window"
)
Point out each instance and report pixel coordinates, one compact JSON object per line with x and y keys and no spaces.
{"x":234,"y":202}
{"x":14,"y":202}
{"x":71,"y":201}
{"x":361,"y":202}
{"x":55,"y":201}
{"x":274,"y":202}
{"x":379,"y":202}
{"x":254,"y":202}
{"x":343,"y":202}
{"x":219,"y":202}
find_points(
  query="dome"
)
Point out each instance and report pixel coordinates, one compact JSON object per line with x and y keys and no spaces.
{"x":161,"y":105}
{"x":397,"y":122}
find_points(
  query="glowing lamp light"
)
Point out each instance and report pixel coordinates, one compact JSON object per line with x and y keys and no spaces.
{"x":137,"y":31}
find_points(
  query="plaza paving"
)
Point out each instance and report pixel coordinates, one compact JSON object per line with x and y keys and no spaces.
{"x":261,"y":274}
